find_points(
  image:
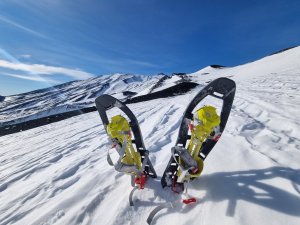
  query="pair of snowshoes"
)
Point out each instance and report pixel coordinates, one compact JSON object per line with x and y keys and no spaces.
{"x":187,"y":160}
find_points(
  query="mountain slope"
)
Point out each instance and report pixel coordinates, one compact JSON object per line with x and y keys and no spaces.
{"x":81,"y":94}
{"x":70,"y":96}
{"x":58,"y":174}
{"x":287,"y":60}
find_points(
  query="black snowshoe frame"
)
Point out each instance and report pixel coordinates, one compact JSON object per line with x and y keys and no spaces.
{"x":106,"y":102}
{"x":221,"y":88}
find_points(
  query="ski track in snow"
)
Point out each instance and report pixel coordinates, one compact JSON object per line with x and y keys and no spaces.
{"x":58,"y":174}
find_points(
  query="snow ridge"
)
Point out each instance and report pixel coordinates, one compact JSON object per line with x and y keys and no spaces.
{"x":69,"y":96}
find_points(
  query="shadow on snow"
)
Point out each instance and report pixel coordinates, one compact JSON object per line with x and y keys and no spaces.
{"x":234,"y":186}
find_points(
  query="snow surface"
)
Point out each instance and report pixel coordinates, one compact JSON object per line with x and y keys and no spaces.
{"x":168,"y":83}
{"x":58,"y":173}
{"x":287,"y":60}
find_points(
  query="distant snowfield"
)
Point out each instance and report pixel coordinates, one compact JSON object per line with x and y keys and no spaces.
{"x":69,"y":96}
{"x":58,"y":174}
{"x":287,"y":60}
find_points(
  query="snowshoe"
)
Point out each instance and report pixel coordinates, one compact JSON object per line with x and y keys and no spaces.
{"x":132,"y":161}
{"x":206,"y":129}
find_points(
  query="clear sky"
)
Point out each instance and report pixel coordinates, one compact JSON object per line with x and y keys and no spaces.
{"x":48,"y":42}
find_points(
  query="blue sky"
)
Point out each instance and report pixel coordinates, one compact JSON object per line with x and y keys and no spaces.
{"x":48,"y":42}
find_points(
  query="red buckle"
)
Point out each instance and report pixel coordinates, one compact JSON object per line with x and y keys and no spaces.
{"x":195,"y":170}
{"x":188,"y":201}
{"x":217,"y":138}
{"x":173,"y":185}
{"x":129,"y":133}
{"x":141,"y":181}
{"x":113,"y":146}
{"x":191,"y":126}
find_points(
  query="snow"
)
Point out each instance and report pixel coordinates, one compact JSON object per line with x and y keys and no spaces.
{"x":58,"y":173}
{"x":168,"y":83}
{"x":69,"y":96}
{"x":287,"y":60}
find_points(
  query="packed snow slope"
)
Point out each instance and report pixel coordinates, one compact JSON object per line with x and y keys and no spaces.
{"x":286,"y":60}
{"x":58,"y":174}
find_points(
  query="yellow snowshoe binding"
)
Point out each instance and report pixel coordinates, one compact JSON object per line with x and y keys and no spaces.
{"x":205,"y":122}
{"x":120,"y":137}
{"x":119,"y":123}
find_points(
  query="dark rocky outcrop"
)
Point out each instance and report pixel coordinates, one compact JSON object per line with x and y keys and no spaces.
{"x":2,"y":98}
{"x":283,"y":50}
{"x":217,"y":66}
{"x":178,"y":89}
{"x":129,"y":93}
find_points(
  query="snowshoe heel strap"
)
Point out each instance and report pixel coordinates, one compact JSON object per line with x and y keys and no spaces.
{"x":185,"y":156}
{"x":125,"y":168}
{"x":122,"y":152}
{"x":189,"y":161}
{"x":122,"y":167}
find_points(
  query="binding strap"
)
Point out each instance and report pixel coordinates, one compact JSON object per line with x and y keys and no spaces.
{"x":146,"y":156}
{"x":184,"y":172}
{"x":122,"y":152}
{"x":119,"y":166}
{"x":184,"y":169}
{"x":132,"y":175}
